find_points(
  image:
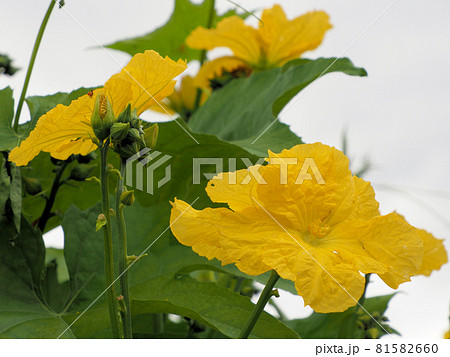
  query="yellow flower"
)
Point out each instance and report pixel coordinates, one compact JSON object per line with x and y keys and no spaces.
{"x":447,"y":335}
{"x":276,"y":41}
{"x":66,"y":130}
{"x":182,"y":100}
{"x":307,"y":217}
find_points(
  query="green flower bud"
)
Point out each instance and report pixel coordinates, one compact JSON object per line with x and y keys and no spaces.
{"x":125,"y":116}
{"x":127,"y":198}
{"x":129,"y":150}
{"x":101,"y":221}
{"x":133,"y":258}
{"x":151,"y":136}
{"x":32,"y":185}
{"x":119,"y":131}
{"x":102,"y":117}
{"x":135,"y":135}
{"x":81,"y":172}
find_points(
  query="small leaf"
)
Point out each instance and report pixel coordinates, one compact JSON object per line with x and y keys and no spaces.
{"x":169,"y":39}
{"x":8,"y":138}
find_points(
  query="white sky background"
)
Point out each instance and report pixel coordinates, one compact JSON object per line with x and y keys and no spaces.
{"x":398,"y":116}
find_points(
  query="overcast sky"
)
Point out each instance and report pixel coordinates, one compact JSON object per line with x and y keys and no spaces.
{"x":398,"y":117}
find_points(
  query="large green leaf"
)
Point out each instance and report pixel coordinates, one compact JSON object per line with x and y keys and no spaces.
{"x":8,"y":138}
{"x":169,"y":39}
{"x":23,"y":314}
{"x":83,"y":252}
{"x":352,"y":323}
{"x":245,"y":110}
{"x":158,"y":283}
{"x":205,"y":302}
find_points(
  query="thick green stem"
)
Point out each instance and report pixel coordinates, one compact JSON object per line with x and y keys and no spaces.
{"x":203,"y":53}
{"x":107,"y":234}
{"x":262,"y":301}
{"x":362,"y":299}
{"x":31,"y":64}
{"x":46,"y":213}
{"x":123,"y":253}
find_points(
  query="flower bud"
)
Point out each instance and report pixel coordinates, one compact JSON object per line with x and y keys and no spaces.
{"x":102,"y":117}
{"x":151,"y":136}
{"x":101,"y":221}
{"x":127,"y":198}
{"x":81,"y":172}
{"x":135,"y":135}
{"x":125,"y":116}
{"x":119,"y":131}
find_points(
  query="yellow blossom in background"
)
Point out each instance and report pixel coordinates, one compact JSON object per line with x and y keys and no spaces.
{"x":66,"y":130}
{"x":276,"y":41}
{"x":305,"y":216}
{"x":182,"y":100}
{"x":447,"y":335}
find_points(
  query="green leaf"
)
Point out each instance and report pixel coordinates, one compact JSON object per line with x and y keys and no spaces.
{"x":83,"y":252}
{"x":245,"y":110}
{"x":352,"y":323}
{"x":57,"y":256}
{"x":22,"y":311}
{"x":11,"y":193}
{"x":156,"y":285}
{"x":169,"y":40}
{"x":205,"y":302}
{"x":8,"y":138}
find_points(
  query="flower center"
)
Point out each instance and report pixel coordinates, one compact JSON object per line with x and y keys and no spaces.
{"x":318,"y":229}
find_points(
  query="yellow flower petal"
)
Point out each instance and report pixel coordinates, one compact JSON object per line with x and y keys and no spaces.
{"x":147,"y":78}
{"x":392,"y":241}
{"x":435,"y":254}
{"x":216,"y":233}
{"x":230,"y":32}
{"x":62,"y":131}
{"x":322,"y":287}
{"x":235,"y":188}
{"x":366,"y":207}
{"x":318,"y":186}
{"x":285,"y":40}
{"x":163,"y":107}
{"x":216,"y":68}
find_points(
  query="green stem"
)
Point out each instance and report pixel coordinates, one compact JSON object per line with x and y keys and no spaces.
{"x":123,"y":253}
{"x":203,"y":54}
{"x":362,"y":299}
{"x":262,"y":301}
{"x":31,"y":64}
{"x":107,"y":235}
{"x":46,"y":213}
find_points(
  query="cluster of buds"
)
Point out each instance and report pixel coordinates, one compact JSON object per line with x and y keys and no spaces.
{"x":126,"y":132}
